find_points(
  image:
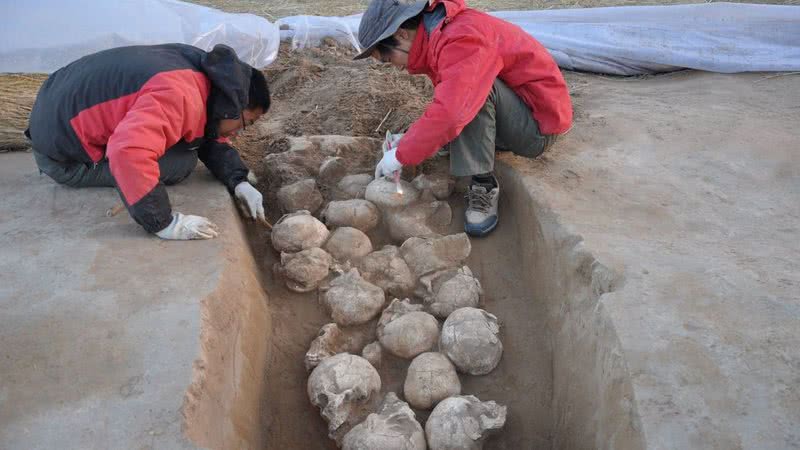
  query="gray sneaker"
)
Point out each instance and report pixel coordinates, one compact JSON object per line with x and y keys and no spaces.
{"x":480,"y":217}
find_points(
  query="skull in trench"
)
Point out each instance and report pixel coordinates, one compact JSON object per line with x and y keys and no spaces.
{"x":463,"y":423}
{"x":353,"y":300}
{"x":356,"y":213}
{"x":405,"y":330}
{"x":470,"y":339}
{"x":448,"y":290}
{"x":347,"y":243}
{"x":394,"y":427}
{"x":298,"y":231}
{"x":431,"y":378}
{"x":333,"y":339}
{"x":306,"y":269}
{"x":342,"y":385}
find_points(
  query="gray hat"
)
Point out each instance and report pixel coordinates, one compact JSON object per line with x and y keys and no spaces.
{"x":382,"y":18}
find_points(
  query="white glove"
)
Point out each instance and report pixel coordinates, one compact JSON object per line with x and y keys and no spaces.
{"x":250,"y":200}
{"x":388,"y":164}
{"x":184,"y":227}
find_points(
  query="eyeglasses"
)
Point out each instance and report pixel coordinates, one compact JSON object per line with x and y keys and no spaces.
{"x":385,"y":52}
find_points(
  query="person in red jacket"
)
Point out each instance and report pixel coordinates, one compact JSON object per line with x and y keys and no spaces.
{"x":138,"y":118}
{"x":495,"y":87}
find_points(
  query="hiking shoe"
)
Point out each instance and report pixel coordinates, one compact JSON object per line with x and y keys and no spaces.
{"x":480,"y":217}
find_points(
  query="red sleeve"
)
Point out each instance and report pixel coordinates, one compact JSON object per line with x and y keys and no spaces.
{"x":170,"y":107}
{"x":468,"y":65}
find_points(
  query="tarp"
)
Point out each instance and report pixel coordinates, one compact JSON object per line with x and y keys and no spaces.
{"x":631,"y":40}
{"x":44,"y":35}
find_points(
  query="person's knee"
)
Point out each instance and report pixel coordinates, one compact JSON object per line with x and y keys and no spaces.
{"x":58,"y":172}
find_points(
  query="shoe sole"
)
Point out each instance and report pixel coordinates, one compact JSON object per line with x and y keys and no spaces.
{"x":476,"y":233}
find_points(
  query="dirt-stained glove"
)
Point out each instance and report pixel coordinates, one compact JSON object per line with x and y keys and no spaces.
{"x":186,"y":227}
{"x":250,"y":200}
{"x":388,"y":164}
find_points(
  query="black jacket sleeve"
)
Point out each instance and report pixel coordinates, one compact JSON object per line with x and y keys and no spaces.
{"x":224,"y":162}
{"x":153,"y":211}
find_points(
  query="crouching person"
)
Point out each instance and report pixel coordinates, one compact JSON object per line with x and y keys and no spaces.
{"x":495,"y":87}
{"x":138,"y":118}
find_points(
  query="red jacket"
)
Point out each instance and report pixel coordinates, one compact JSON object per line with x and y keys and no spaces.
{"x":463,"y":56}
{"x":130,"y":104}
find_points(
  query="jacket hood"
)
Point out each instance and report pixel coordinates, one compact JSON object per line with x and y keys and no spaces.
{"x":230,"y":85}
{"x":453,"y":7}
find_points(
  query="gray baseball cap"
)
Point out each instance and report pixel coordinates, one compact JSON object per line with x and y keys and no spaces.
{"x":382,"y":19}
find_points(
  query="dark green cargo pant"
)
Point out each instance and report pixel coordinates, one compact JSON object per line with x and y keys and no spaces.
{"x":504,"y":123}
{"x":176,"y":165}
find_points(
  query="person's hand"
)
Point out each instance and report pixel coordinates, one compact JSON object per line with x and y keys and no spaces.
{"x":185,"y":227}
{"x":250,"y":200}
{"x":388,"y":164}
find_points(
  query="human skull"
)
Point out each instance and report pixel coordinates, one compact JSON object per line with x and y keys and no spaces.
{"x":333,"y":339}
{"x":386,"y":269}
{"x":394,"y":427}
{"x":332,"y":169}
{"x":448,"y":290}
{"x":430,"y":254}
{"x":417,"y":220}
{"x":384,"y":194}
{"x":469,"y":339}
{"x":353,"y":300}
{"x":306,"y":269}
{"x":340,"y":385}
{"x":356,"y":213}
{"x":355,"y":186}
{"x":440,"y":185}
{"x":463,"y":423}
{"x":347,"y":243}
{"x":298,"y":231}
{"x":431,"y":378}
{"x":405,"y":330}
{"x":300,"y":195}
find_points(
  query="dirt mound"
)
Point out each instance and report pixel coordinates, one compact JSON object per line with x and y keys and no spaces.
{"x":323,"y":91}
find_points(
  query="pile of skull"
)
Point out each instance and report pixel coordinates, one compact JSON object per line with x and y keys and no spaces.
{"x":427,"y":281}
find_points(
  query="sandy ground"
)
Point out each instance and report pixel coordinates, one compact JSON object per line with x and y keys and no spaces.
{"x":685,"y":184}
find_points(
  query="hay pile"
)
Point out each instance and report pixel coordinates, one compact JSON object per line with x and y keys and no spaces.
{"x":17,"y":94}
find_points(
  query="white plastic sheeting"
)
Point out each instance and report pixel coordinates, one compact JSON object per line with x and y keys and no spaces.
{"x":44,"y":35}
{"x":630,"y":40}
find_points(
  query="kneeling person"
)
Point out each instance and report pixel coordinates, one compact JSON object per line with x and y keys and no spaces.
{"x":495,"y":87}
{"x":137,"y":118}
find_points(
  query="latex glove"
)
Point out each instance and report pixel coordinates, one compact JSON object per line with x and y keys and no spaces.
{"x":388,"y":164}
{"x":250,"y":200}
{"x":186,"y":227}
